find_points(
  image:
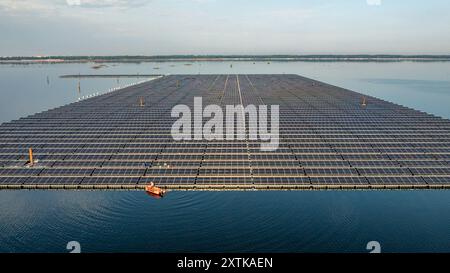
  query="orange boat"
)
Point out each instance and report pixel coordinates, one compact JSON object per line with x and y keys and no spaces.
{"x":153,"y":190}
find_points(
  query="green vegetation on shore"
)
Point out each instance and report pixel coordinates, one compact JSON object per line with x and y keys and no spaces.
{"x":162,"y":58}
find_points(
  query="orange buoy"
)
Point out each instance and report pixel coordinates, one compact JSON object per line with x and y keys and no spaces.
{"x":154,"y":190}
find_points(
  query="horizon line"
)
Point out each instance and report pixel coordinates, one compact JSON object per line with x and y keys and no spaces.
{"x":387,"y":55}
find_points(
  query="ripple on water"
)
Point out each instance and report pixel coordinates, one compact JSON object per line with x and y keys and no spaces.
{"x":222,"y":221}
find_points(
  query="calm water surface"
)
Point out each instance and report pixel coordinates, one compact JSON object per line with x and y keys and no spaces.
{"x":325,"y":221}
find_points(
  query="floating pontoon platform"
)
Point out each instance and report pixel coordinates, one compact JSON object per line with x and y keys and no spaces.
{"x":330,"y":138}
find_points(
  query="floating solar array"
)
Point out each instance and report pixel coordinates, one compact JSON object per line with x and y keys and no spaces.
{"x":329,"y":138}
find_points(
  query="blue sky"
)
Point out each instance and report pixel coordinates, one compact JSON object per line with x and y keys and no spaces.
{"x":154,"y":27}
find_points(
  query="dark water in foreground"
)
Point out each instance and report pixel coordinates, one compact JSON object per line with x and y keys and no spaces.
{"x":325,"y":221}
{"x":319,"y":221}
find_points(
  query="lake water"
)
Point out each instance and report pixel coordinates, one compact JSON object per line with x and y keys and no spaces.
{"x":319,"y":221}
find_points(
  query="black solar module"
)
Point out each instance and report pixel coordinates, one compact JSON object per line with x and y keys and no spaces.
{"x":327,"y":140}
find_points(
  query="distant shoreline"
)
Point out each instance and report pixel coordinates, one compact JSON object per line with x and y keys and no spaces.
{"x":110,"y":76}
{"x":222,"y":58}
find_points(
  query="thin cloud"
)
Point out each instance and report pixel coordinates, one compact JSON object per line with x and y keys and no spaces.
{"x":13,"y":6}
{"x":373,"y":2}
{"x":26,"y":5}
{"x":107,"y":3}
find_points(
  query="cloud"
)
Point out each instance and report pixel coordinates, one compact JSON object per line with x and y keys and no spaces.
{"x":73,"y":2}
{"x":107,"y":3}
{"x":51,"y":5}
{"x":373,"y":2}
{"x":26,"y":5}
